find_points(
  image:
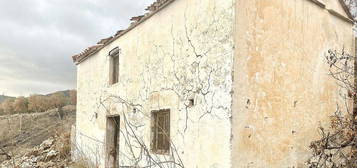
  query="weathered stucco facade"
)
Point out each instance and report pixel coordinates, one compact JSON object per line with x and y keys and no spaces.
{"x":282,"y":90}
{"x":254,"y":70}
{"x":181,"y":52}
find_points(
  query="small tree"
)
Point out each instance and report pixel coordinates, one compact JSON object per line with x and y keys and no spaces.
{"x":8,"y":106}
{"x":37,"y":103}
{"x":58,"y":100}
{"x":20,"y":105}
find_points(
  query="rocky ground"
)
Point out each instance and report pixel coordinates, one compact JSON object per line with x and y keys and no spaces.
{"x":36,"y":140}
{"x":53,"y":152}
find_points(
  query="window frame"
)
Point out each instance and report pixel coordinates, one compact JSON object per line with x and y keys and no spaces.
{"x":114,"y":66}
{"x":155,"y":132}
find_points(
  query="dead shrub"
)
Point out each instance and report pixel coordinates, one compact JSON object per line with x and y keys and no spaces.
{"x":63,"y":145}
{"x":337,"y":146}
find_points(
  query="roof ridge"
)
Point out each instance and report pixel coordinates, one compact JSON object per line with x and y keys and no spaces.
{"x":153,"y":8}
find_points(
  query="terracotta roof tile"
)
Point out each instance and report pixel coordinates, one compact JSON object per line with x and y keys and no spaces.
{"x":118,"y":32}
{"x":86,"y":52}
{"x":137,"y":18}
{"x":156,"y":5}
{"x":153,"y":8}
{"x":104,"y":41}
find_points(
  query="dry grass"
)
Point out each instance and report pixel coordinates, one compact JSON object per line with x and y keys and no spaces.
{"x":63,"y":145}
{"x":81,"y":163}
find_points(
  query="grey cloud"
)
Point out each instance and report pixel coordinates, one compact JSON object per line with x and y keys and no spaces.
{"x":38,"y":37}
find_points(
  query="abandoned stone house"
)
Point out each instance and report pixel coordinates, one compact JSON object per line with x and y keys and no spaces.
{"x":211,"y":84}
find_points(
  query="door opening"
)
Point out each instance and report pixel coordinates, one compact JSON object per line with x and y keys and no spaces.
{"x":112,"y":142}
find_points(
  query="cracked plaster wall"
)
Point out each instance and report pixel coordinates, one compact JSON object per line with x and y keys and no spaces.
{"x":282,"y":91}
{"x":281,"y":87}
{"x":184,"y":51}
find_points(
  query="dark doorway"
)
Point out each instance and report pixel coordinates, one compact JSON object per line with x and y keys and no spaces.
{"x":112,"y":142}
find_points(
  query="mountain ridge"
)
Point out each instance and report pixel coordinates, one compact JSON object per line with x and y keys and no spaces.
{"x":3,"y":98}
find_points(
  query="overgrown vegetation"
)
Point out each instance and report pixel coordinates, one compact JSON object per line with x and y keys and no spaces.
{"x":337,"y":147}
{"x":38,"y":103}
{"x":23,"y":132}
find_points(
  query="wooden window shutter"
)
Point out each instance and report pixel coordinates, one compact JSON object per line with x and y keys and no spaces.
{"x":161,"y":131}
{"x":167,"y":131}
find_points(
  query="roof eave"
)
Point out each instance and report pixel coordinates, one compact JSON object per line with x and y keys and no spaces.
{"x":347,"y":10}
{"x":79,"y":60}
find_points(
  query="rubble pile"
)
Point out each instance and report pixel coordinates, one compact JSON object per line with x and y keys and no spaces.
{"x":53,"y":152}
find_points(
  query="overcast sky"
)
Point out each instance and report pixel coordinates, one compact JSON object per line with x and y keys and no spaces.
{"x":38,"y":38}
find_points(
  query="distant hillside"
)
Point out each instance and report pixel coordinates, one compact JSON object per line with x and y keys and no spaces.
{"x":3,"y":98}
{"x":64,"y":92}
{"x":37,"y":102}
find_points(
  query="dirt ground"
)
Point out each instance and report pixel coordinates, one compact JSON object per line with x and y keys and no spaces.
{"x":21,"y":132}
